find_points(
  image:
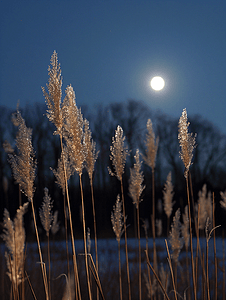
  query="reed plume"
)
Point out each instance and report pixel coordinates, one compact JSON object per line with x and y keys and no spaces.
{"x":117,"y":219}
{"x":54,"y":94}
{"x":151,"y":146}
{"x":176,"y":241}
{"x":14,"y":238}
{"x":185,"y":228}
{"x":205,"y":207}
{"x":168,"y":198}
{"x":73,"y":131}
{"x":55,"y":225}
{"x":46,"y":217}
{"x":90,"y":148}
{"x":23,"y":163}
{"x":136,"y":188}
{"x":118,"y":154}
{"x":45,"y":212}
{"x":187,"y":142}
{"x":118,"y":228}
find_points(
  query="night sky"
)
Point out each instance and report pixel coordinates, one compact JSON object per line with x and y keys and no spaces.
{"x":109,"y":51}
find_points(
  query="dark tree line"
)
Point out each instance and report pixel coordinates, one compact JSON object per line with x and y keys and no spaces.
{"x":209,"y":162}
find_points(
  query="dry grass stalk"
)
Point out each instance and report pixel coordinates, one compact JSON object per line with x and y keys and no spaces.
{"x":151,"y":151}
{"x":208,"y":237}
{"x":171,"y":271}
{"x":14,"y":238}
{"x":185,"y":235}
{"x":118,"y":156}
{"x":135,"y":191}
{"x":56,"y":113}
{"x":74,"y":137}
{"x":156,"y":276}
{"x":91,"y":157}
{"x":187,"y":144}
{"x":46,"y":217}
{"x":118,"y":228}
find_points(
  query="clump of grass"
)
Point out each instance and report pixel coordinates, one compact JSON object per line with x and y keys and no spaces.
{"x":78,"y":151}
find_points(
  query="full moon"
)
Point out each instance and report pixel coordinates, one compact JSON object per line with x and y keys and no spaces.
{"x":157,"y":83}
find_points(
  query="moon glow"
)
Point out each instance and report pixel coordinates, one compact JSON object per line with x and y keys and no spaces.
{"x":157,"y":83}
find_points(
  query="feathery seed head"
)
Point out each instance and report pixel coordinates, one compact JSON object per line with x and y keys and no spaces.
{"x":185,"y":228}
{"x":118,"y":153}
{"x":73,"y":131}
{"x":136,"y":180}
{"x":14,"y":238}
{"x":175,"y":236}
{"x":168,"y":196}
{"x":90,"y":148}
{"x":186,"y":140}
{"x":55,"y":225}
{"x":45,"y":212}
{"x":151,"y":146}
{"x":205,"y":206}
{"x":117,"y":219}
{"x":23,"y":164}
{"x":54,"y":94}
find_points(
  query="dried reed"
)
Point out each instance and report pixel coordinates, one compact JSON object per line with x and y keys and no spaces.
{"x":187,"y":145}
{"x":118,"y":228}
{"x":135,"y":191}
{"x":118,"y":157}
{"x":151,"y":151}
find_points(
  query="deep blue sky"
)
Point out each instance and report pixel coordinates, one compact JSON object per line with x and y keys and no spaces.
{"x":109,"y":50}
